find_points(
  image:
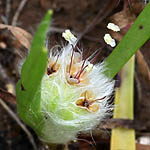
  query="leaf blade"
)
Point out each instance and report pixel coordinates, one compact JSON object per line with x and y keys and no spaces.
{"x":31,"y":75}
{"x":124,"y":138}
{"x":137,"y":35}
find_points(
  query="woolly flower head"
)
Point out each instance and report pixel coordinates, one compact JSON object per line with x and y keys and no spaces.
{"x":74,"y":93}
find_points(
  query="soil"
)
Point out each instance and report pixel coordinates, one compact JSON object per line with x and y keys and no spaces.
{"x":87,"y":18}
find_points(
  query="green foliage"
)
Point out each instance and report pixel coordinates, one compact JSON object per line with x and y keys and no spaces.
{"x":32,"y":72}
{"x":138,"y":34}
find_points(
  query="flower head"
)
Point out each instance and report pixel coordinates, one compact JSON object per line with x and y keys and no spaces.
{"x":74,"y":94}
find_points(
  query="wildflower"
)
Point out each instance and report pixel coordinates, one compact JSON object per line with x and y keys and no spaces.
{"x":109,"y":40}
{"x":113,"y":27}
{"x":74,"y":94}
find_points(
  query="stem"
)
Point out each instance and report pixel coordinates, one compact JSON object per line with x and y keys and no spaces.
{"x":124,"y":139}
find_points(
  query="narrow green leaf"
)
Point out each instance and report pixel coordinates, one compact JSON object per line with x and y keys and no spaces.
{"x":138,"y":34}
{"x":36,"y":62}
{"x":124,"y":139}
{"x":31,"y":75}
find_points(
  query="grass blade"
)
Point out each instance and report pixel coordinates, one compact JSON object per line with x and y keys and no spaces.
{"x":124,"y":139}
{"x":138,"y":34}
{"x":31,"y":75}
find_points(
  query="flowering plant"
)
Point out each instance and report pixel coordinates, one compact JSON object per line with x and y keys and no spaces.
{"x":63,"y":95}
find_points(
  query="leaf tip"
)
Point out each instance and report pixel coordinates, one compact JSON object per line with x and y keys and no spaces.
{"x":50,"y":12}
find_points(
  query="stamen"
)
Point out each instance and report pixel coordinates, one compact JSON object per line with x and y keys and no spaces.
{"x":100,"y":98}
{"x":91,"y":102}
{"x":73,"y":50}
{"x":80,"y":69}
{"x":80,"y":51}
{"x":81,"y":72}
{"x":55,"y":62}
{"x":98,"y":52}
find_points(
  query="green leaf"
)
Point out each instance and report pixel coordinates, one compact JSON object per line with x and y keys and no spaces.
{"x":32,"y":72}
{"x":122,"y":138}
{"x":138,"y":34}
{"x":36,"y":62}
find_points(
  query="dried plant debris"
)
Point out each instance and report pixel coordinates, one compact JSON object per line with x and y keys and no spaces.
{"x":14,"y":47}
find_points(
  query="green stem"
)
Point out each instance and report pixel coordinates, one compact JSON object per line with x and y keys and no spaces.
{"x":124,"y":139}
